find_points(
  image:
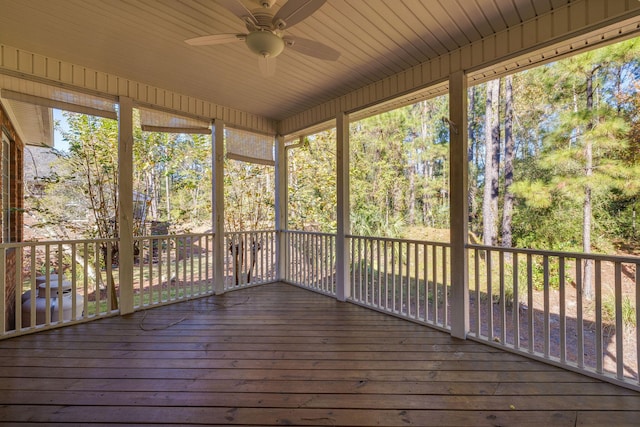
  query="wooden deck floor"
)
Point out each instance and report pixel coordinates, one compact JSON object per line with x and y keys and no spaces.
{"x":280,"y":355}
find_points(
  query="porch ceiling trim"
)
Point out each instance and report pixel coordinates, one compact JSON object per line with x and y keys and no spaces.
{"x":30,"y":66}
{"x":576,"y":26}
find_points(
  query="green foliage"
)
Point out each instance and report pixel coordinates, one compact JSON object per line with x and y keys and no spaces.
{"x":551,"y":171}
{"x":628,"y":312}
{"x":399,"y":170}
{"x":249,"y":196}
{"x":312,"y":183}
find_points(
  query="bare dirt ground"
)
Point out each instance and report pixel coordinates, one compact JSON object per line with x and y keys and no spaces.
{"x":590,"y":346}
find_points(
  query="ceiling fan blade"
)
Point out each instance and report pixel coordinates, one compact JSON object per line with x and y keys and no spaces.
{"x":312,"y":48}
{"x":240,"y":10}
{"x":267,"y":66}
{"x":295,"y":11}
{"x":216,"y":39}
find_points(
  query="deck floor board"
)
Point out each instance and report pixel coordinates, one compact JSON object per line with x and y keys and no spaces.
{"x":280,"y":355}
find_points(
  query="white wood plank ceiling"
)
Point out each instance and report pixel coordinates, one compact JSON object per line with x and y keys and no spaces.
{"x":143,"y":40}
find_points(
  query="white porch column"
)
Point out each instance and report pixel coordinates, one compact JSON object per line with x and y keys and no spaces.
{"x":459,"y":212}
{"x":125,"y":197}
{"x":281,"y":197}
{"x":217,"y":200}
{"x":343,"y":287}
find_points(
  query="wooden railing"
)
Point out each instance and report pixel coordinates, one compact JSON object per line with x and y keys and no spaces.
{"x":534,"y":303}
{"x":526,"y":301}
{"x":172,"y":268}
{"x":406,"y":278}
{"x":310,"y":260}
{"x":250,"y":259}
{"x":54,"y":283}
{"x":70,"y":284}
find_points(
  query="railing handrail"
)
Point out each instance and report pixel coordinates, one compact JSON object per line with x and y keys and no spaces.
{"x":228,"y":233}
{"x":401,"y":240}
{"x":29,"y":243}
{"x":579,"y":255}
{"x":311,"y":233}
{"x":165,"y":236}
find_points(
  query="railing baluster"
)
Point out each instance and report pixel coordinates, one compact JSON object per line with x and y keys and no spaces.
{"x":160,"y":251}
{"x":425,"y":281}
{"x":530,"y":308}
{"x":317,"y":260}
{"x":210,"y":257}
{"x":445,"y":287}
{"x":47,"y":312}
{"x":327,"y":271}
{"x":434,"y":270}
{"x":409,"y":294}
{"x":171,"y":271}
{"x":393,"y":276}
{"x":85,"y":281}
{"x":477,"y":291}
{"x":416,"y":280}
{"x":579,"y":314}
{"x":563,"y":309}
{"x":379,"y":269}
{"x":309,"y":260}
{"x":74,"y":289}
{"x":150,"y":271}
{"x":375,"y":272}
{"x":502,"y":304}
{"x":490,"y":331}
{"x":619,"y":356}
{"x":299,"y":260}
{"x":60,"y":300}
{"x":318,"y":273}
{"x":400,"y":278}
{"x":367,"y":267}
{"x":361,"y":268}
{"x":637,"y":307}
{"x":3,"y":295}
{"x":200,"y":281}
{"x":516,"y":302}
{"x":34,"y":289}
{"x":17,"y":297}
{"x":190,"y":250}
{"x":185,"y":257}
{"x":598,"y":332}
{"x":547,"y":323}
{"x":109,"y":272}
{"x":386,"y":276}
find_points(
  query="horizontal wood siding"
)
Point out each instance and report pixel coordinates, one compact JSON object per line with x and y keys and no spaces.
{"x":27,"y":66}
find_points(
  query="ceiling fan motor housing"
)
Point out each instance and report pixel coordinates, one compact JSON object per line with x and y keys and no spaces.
{"x":265,"y":43}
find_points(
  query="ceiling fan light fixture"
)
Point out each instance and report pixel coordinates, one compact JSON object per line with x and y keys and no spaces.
{"x":265,"y":43}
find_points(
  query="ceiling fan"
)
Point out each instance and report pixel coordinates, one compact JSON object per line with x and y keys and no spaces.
{"x":266,"y":31}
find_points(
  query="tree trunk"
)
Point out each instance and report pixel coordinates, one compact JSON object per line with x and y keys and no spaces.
{"x":492,"y":161}
{"x":587,"y":282}
{"x":167,"y":196}
{"x":473,"y":188}
{"x":509,"y":148}
{"x":412,"y":194}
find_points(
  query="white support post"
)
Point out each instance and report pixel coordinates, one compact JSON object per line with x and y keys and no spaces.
{"x":282,"y":198}
{"x":343,"y":286}
{"x":217,"y":200}
{"x":459,"y":213}
{"x":125,"y":197}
